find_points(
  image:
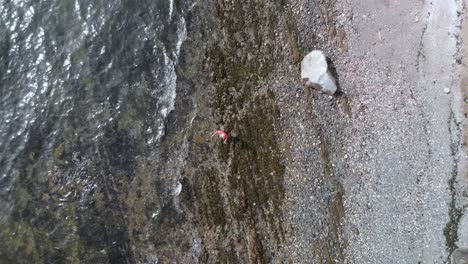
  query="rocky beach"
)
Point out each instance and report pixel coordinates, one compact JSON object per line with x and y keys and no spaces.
{"x":107,"y":154}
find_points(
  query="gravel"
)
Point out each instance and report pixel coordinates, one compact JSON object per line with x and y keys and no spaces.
{"x":390,"y":144}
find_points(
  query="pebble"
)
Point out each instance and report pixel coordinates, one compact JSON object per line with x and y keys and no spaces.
{"x":447,"y":90}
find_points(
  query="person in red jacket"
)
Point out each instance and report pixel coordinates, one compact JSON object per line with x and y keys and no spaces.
{"x":222,"y":134}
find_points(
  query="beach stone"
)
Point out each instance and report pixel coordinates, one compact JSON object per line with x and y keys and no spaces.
{"x":315,"y":74}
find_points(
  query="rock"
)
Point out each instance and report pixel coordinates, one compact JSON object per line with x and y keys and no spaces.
{"x":178,"y":188}
{"x":341,"y":34}
{"x":447,"y":90}
{"x":199,"y":139}
{"x":315,"y":74}
{"x":460,"y":256}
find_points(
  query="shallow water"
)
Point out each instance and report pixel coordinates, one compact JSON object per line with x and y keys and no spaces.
{"x":86,"y":88}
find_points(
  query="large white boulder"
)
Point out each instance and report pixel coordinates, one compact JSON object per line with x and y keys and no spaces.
{"x":315,"y":74}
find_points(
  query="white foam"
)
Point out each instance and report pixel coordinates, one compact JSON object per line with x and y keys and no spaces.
{"x":171,"y":8}
{"x":181,"y":35}
{"x":27,"y":18}
{"x":170,"y":80}
{"x":77,"y":7}
{"x":155,"y":214}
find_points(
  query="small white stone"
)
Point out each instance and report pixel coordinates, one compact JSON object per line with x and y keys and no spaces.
{"x":178,"y":188}
{"x":315,"y":74}
{"x":446,"y":90}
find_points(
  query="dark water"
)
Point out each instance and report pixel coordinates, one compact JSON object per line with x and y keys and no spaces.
{"x":86,"y":87}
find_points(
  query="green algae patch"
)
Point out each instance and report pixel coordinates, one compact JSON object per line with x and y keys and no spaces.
{"x":127,"y":119}
{"x":59,"y":153}
{"x":212,"y":201}
{"x":41,"y":228}
{"x":23,"y":243}
{"x":257,"y":171}
{"x":455,"y":212}
{"x":240,"y":194}
{"x":244,"y":187}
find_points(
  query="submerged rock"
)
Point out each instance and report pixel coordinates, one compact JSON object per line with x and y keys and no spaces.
{"x":315,"y":74}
